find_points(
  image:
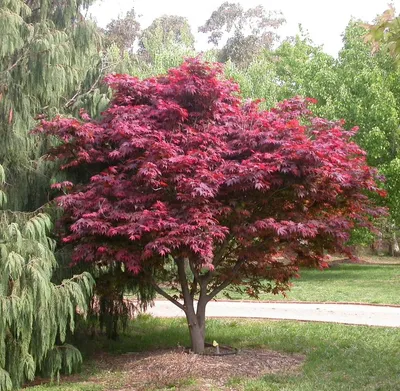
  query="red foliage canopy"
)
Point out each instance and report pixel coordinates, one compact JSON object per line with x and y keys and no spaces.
{"x":180,"y":165}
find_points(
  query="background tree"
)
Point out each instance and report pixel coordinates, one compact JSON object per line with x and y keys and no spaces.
{"x":257,"y":81}
{"x":296,"y":67}
{"x":169,"y":28}
{"x":165,"y":43}
{"x":123,"y":32}
{"x":192,"y":188}
{"x":368,"y":95}
{"x":304,"y":69}
{"x":248,"y":32}
{"x":385,"y":32}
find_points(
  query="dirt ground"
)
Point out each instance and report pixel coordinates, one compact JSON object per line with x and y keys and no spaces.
{"x":184,"y":371}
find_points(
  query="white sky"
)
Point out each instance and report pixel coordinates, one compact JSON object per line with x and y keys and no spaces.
{"x":325,"y":20}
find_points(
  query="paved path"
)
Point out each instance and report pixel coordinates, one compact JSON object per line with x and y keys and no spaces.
{"x":338,"y":313}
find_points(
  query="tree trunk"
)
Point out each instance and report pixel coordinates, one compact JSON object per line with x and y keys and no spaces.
{"x":196,"y":319}
{"x":394,"y":246}
{"x":197,"y":323}
{"x":197,"y":336}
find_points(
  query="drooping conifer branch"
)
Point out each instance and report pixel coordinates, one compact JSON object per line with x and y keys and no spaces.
{"x":35,"y":314}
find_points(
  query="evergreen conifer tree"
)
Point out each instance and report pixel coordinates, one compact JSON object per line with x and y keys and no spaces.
{"x":50,"y":60}
{"x":35,"y":314}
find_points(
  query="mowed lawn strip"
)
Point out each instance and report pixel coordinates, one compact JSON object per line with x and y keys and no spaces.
{"x":338,"y":357}
{"x":352,"y":283}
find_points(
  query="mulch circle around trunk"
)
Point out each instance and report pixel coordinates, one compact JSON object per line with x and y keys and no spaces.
{"x":152,"y":370}
{"x":171,"y":368}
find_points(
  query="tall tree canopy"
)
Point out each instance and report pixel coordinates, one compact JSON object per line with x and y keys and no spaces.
{"x":248,"y":32}
{"x":190,"y":185}
{"x":166,"y":42}
{"x":385,"y":33}
{"x":169,"y":28}
{"x":123,"y":32}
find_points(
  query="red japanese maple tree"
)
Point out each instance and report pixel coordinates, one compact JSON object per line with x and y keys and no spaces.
{"x":191,"y":186}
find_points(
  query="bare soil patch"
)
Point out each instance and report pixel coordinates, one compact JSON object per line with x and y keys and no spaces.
{"x":166,"y":368}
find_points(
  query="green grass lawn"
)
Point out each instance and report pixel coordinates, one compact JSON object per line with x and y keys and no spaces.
{"x":354,"y":283}
{"x":338,"y":357}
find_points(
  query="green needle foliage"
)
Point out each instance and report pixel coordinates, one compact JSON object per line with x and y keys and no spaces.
{"x":49,"y":57}
{"x":35,"y":314}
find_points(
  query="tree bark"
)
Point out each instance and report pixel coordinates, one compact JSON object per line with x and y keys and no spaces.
{"x":394,"y":245}
{"x":197,"y":330}
{"x":196,"y":319}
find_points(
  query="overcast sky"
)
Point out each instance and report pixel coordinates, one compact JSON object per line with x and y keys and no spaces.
{"x":325,"y":20}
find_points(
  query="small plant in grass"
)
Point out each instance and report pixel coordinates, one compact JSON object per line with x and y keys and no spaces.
{"x":194,"y":188}
{"x":216,"y":346}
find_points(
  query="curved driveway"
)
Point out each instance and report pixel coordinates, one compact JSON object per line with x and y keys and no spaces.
{"x":338,"y":313}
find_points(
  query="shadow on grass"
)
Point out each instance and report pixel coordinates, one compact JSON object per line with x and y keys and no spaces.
{"x":143,"y":334}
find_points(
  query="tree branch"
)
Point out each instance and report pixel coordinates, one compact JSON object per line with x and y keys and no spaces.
{"x":73,"y":99}
{"x":221,"y":252}
{"x":183,"y":280}
{"x":11,"y":67}
{"x":17,"y":61}
{"x":103,"y":68}
{"x":227,"y":282}
{"x":196,"y":279}
{"x":193,"y":269}
{"x":218,"y":258}
{"x":28,"y":214}
{"x":167,"y":296}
